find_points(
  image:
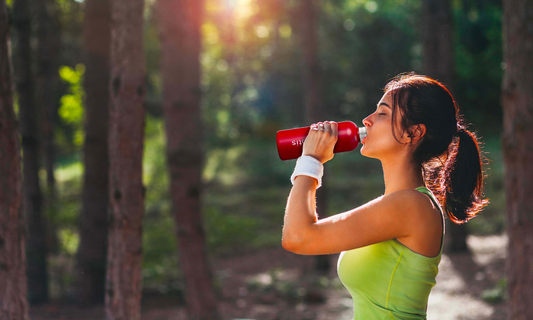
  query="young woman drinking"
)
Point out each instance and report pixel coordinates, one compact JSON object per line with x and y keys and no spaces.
{"x":391,"y":246}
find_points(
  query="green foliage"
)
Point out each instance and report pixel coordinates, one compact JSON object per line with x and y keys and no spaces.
{"x":243,"y":45}
{"x":69,"y":179}
{"x":362,"y":49}
{"x":160,"y":268}
{"x":71,"y":14}
{"x":154,"y":85}
{"x":497,"y":294}
{"x":61,"y":276}
{"x":479,"y":66}
{"x":160,"y":263}
{"x":163,"y":277}
{"x":69,"y":241}
{"x":16,"y":106}
{"x":155,"y":167}
{"x":72,"y":104}
{"x":227,"y":230}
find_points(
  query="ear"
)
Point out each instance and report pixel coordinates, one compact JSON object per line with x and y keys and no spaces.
{"x":417,"y":132}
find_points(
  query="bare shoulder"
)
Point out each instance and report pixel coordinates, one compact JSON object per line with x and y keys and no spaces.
{"x":410,"y":197}
{"x":415,"y":204}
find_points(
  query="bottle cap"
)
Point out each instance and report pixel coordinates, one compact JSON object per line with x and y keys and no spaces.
{"x":362,"y":133}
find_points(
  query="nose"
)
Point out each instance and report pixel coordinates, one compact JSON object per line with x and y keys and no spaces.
{"x":367,"y":122}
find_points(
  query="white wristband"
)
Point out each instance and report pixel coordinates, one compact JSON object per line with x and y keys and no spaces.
{"x":308,"y":166}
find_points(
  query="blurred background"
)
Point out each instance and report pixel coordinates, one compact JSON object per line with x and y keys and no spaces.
{"x":254,"y":77}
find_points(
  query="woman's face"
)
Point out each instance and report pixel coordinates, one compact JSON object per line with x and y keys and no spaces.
{"x":380,"y":142}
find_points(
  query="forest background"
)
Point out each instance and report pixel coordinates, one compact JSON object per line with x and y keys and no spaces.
{"x":251,"y":85}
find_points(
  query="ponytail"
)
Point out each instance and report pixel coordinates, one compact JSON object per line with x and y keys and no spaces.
{"x":461,"y":178}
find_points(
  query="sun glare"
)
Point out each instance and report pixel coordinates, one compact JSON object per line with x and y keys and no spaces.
{"x":243,"y":8}
{"x":240,"y":9}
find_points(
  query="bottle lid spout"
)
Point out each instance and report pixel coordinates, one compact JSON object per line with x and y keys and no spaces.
{"x":362,"y":133}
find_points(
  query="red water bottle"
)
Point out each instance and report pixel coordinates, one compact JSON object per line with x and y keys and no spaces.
{"x":290,"y":142}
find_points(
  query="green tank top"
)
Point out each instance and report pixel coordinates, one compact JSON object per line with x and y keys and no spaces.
{"x":387,"y":280}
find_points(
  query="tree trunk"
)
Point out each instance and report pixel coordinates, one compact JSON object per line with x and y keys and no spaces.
{"x":92,"y":252}
{"x":439,"y":64}
{"x":36,"y":249}
{"x":518,"y":154}
{"x":126,"y":141}
{"x":438,"y":47}
{"x":47,"y":98}
{"x":311,"y":73}
{"x":313,"y":96}
{"x":13,"y":290}
{"x":179,"y":24}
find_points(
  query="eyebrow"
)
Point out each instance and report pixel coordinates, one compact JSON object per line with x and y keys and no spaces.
{"x":386,"y":105}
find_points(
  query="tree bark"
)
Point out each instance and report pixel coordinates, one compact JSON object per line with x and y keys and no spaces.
{"x":179,"y":24}
{"x":517,"y":98}
{"x":311,"y":71}
{"x":13,"y":289}
{"x":32,"y":197}
{"x":438,"y":46}
{"x":47,"y":97}
{"x":313,"y":96}
{"x":92,"y":252}
{"x":126,"y":141}
{"x":439,"y":64}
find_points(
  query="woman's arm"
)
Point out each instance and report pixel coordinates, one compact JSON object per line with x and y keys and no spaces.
{"x":387,"y":217}
{"x":300,"y":213}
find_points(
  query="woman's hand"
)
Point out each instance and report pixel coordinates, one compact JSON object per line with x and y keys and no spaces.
{"x":321,"y":140}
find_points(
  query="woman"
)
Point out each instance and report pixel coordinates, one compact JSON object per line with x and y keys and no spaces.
{"x":391,"y":246}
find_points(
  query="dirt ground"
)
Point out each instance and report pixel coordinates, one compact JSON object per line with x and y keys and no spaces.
{"x":273,"y":284}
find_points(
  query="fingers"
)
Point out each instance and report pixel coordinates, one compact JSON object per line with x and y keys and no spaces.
{"x":319,"y":126}
{"x":334,"y":128}
{"x":321,"y":141}
{"x":326,"y":126}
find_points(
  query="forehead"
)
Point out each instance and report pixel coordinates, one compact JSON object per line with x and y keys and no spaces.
{"x":386,"y":99}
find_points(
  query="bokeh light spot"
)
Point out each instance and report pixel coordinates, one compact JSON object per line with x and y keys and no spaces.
{"x":262,"y":31}
{"x":285,"y":31}
{"x":371,"y":6}
{"x":222,"y":65}
{"x":348,"y":24}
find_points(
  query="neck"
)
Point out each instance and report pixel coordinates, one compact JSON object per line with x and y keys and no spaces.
{"x":400,"y":174}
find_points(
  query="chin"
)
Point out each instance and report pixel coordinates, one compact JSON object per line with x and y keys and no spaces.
{"x":363,"y":151}
{"x":366,"y":153}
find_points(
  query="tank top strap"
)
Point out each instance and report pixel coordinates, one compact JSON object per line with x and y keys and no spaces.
{"x":430,"y":194}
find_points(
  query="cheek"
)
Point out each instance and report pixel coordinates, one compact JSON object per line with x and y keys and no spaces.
{"x":380,"y":145}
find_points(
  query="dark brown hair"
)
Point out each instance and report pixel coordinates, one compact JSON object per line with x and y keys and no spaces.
{"x":448,"y":153}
